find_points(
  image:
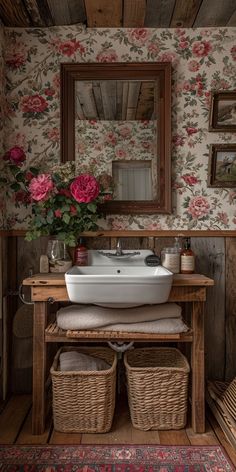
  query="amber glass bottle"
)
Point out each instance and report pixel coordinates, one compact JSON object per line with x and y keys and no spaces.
{"x":187,"y":258}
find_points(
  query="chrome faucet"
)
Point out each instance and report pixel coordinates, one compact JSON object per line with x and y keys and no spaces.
{"x":119,"y":251}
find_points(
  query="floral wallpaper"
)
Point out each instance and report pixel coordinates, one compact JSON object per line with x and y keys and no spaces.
{"x":2,"y":94}
{"x":99,"y":143}
{"x":202,"y":60}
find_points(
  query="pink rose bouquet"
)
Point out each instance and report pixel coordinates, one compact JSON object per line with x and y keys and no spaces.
{"x":64,"y":202}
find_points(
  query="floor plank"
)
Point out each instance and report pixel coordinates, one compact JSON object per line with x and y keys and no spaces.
{"x":12,"y":417}
{"x":26,"y":437}
{"x":65,"y":438}
{"x":208,"y":438}
{"x":174,"y":438}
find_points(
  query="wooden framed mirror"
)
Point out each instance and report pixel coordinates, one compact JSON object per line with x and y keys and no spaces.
{"x":117,"y":118}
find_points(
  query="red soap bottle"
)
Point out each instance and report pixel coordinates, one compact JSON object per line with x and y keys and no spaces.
{"x":81,"y":254}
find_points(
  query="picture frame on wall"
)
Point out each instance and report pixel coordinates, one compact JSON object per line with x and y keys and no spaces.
{"x":222,"y":165}
{"x":223,"y":111}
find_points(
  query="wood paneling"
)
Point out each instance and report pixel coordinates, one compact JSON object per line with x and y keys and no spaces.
{"x":119,"y":13}
{"x":67,"y":12}
{"x":230,"y":312}
{"x":134,"y":13}
{"x":215,"y":13}
{"x":158,"y":14}
{"x":103,"y":13}
{"x":184,"y":13}
{"x":210,"y":260}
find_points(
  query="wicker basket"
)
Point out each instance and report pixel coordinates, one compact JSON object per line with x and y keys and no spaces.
{"x":84,"y":401}
{"x":157,"y":388}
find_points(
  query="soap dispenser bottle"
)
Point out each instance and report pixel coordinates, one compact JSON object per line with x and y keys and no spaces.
{"x":81,"y":254}
{"x":187,"y":258}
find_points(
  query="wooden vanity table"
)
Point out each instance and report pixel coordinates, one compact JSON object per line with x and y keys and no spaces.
{"x":49,"y":288}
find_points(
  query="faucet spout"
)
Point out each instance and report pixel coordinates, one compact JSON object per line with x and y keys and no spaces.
{"x":119,"y":251}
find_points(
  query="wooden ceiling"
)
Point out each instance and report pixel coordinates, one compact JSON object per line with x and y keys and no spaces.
{"x":118,"y":13}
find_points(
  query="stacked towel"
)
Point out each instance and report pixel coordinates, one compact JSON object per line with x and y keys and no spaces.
{"x":77,"y":361}
{"x":163,"y":318}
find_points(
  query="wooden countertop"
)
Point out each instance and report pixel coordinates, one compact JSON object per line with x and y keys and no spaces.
{"x":54,"y":279}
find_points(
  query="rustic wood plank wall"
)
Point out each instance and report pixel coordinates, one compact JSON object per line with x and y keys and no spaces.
{"x":215,"y":257}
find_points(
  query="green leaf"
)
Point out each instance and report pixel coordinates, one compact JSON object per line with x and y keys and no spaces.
{"x":15,"y":187}
{"x":92,"y":207}
{"x":66,"y":218}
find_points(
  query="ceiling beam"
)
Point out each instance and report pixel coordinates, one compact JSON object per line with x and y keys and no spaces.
{"x":159,"y":13}
{"x":67,"y":12}
{"x":103,"y":13}
{"x":185,"y":13}
{"x":215,"y":13}
{"x":134,"y":12}
{"x":13,"y":13}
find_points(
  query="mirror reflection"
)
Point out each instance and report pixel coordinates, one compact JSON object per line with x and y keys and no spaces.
{"x":116,"y":121}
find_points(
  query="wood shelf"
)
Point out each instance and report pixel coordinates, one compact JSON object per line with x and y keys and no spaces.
{"x":55,"y":334}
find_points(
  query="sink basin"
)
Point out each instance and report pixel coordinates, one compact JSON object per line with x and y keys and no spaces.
{"x":122,"y":282}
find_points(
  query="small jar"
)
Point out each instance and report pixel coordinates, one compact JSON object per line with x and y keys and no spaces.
{"x":170,"y":259}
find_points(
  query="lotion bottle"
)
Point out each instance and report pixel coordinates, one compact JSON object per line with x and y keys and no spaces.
{"x":187,"y":258}
{"x":81,"y":254}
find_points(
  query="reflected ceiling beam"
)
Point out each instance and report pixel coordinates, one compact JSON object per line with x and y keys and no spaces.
{"x":103,"y":13}
{"x":34,"y":13}
{"x":134,"y":12}
{"x":108,"y":92}
{"x":67,"y":12}
{"x":185,"y":13}
{"x":133,"y":96}
{"x":158,"y":14}
{"x":84,"y":94}
{"x":98,"y":99}
{"x":145,"y":106}
{"x":215,"y":13}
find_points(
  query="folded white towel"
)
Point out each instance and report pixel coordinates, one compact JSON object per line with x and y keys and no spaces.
{"x":82,"y":317}
{"x":167,"y":326}
{"x":78,"y":361}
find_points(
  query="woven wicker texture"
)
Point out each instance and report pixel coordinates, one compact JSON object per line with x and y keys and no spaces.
{"x":157,"y":388}
{"x":84,"y":402}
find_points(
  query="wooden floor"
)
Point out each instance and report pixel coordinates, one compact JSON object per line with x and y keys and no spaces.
{"x":15,"y":428}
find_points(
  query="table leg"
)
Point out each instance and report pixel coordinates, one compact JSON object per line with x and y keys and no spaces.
{"x":198,"y":371}
{"x":39,"y":367}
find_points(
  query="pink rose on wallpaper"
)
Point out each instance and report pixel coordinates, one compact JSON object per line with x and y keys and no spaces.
{"x":22,"y":197}
{"x":120,"y":153}
{"x":15,"y":56}
{"x":139,"y":36}
{"x":190,"y":179}
{"x":168,"y":57}
{"x":53,"y":134}
{"x":193,"y":66}
{"x":16,"y":155}
{"x":153,"y":49}
{"x":183,"y":44}
{"x":69,"y":48}
{"x":49,"y":92}
{"x":201,"y":48}
{"x":125,"y":131}
{"x":108,"y":55}
{"x":222,"y":217}
{"x":233,"y":52}
{"x":33,"y":103}
{"x":40,"y":187}
{"x":85,"y":188}
{"x":178,"y":140}
{"x":198,"y":207}
{"x":191,"y":130}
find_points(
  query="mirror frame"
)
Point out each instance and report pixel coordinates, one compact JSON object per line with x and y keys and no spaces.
{"x":72,"y":72}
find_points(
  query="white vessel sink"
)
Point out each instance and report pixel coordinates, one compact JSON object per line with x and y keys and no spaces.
{"x":118,"y":281}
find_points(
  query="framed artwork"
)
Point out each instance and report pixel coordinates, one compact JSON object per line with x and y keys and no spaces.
{"x":222,"y":165}
{"x":223,"y":111}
